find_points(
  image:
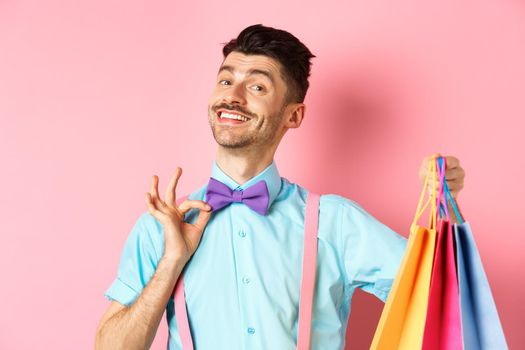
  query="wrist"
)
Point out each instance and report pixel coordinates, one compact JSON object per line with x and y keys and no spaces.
{"x":174,"y":262}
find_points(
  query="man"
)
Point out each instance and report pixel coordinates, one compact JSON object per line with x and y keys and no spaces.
{"x":242,"y":283}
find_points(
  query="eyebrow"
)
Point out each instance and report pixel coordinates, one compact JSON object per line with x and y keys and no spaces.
{"x":250,"y":72}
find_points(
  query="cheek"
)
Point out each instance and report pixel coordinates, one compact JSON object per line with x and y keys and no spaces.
{"x":263,"y":106}
{"x":276,"y":105}
{"x":211,"y":100}
{"x":215,"y":97}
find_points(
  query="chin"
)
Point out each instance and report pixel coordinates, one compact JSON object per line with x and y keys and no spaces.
{"x":233,"y":144}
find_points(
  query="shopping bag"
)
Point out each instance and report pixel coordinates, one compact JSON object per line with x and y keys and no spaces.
{"x":443,"y":321}
{"x":479,"y":316}
{"x":480,"y":324}
{"x":402,"y":321}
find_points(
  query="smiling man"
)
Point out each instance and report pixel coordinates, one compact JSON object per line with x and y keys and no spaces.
{"x":238,"y":240}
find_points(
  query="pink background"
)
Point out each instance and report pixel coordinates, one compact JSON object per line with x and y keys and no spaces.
{"x":97,"y":96}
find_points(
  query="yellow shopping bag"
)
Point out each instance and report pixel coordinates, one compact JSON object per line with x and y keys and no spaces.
{"x":403,"y":318}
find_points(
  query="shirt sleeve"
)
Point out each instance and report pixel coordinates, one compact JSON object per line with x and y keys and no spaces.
{"x":140,"y":257}
{"x":372,"y":251}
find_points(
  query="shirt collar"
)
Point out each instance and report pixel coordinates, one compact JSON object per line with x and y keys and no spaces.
{"x":270,"y":175}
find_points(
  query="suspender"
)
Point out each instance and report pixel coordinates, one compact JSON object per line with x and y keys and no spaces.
{"x":181,"y":313}
{"x":307,"y":283}
{"x":308,"y":278}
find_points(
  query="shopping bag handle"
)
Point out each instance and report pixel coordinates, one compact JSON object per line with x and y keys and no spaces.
{"x":449,"y":199}
{"x":431,"y":200}
{"x":441,"y":198}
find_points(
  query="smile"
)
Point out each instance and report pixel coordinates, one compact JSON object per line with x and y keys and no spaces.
{"x":229,"y":117}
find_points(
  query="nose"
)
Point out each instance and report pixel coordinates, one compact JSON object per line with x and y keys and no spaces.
{"x":235,"y":95}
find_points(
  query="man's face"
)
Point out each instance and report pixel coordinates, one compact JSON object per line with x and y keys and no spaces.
{"x":250,"y":88}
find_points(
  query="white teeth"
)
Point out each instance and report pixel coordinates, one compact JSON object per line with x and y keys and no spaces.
{"x":233,"y":116}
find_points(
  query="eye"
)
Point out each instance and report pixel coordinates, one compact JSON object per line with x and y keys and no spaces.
{"x":224,"y":82}
{"x":258,"y":87}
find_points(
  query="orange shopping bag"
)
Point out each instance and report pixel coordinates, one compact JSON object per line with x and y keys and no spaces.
{"x":402,"y":321}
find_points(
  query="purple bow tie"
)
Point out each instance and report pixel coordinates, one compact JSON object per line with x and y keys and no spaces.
{"x":218,"y":195}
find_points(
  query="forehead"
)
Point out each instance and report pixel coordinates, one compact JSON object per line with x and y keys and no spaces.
{"x":240,"y":63}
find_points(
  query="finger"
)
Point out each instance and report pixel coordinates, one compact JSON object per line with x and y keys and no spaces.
{"x":151,"y":206}
{"x":170,"y":194}
{"x":155,"y":192}
{"x":455,"y":186}
{"x":425,"y":166}
{"x":428,"y":159}
{"x":452,"y":184}
{"x":202,"y":220}
{"x":185,"y":206}
{"x":155,"y":186}
{"x":452,"y":162}
{"x":433,"y":186}
{"x":434,"y":157}
{"x":455,"y":173}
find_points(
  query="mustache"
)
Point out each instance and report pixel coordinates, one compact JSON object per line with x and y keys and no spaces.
{"x":233,"y":107}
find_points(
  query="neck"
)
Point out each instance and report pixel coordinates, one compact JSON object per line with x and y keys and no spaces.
{"x":241,"y":165}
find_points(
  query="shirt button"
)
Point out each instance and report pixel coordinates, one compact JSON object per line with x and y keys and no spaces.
{"x":242,"y":233}
{"x":251,"y":330}
{"x":245,"y":280}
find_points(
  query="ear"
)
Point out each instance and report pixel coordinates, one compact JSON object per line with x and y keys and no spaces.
{"x":294,"y":115}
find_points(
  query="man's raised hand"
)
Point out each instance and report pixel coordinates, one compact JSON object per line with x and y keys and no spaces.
{"x":181,"y":238}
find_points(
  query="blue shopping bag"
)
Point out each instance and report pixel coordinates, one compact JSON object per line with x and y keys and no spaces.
{"x":479,"y":317}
